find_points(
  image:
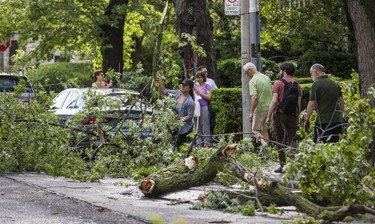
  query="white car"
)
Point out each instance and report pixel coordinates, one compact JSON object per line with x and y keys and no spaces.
{"x":117,"y":104}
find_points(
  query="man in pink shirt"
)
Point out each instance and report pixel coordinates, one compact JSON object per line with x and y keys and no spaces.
{"x":285,"y":120}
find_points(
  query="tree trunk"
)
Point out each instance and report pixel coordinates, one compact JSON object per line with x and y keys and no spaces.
{"x":302,"y":204}
{"x":362,"y":14}
{"x":136,"y":54}
{"x":193,"y":17}
{"x":113,"y":34}
{"x":184,"y":174}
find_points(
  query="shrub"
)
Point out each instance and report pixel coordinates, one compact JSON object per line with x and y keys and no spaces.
{"x":227,"y":102}
{"x":58,"y":76}
{"x":229,"y":73}
{"x":338,"y":63}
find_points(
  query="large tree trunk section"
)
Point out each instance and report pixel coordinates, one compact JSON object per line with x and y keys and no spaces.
{"x":362,"y":14}
{"x":302,"y":204}
{"x":185,"y":174}
{"x":193,"y":17}
{"x":113,"y":37}
{"x":136,"y":54}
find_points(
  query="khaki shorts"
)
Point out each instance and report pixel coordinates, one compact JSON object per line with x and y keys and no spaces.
{"x":259,"y":121}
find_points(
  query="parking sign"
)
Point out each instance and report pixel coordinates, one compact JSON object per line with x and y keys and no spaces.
{"x":232,"y":7}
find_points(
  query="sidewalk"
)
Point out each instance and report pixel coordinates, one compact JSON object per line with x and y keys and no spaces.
{"x":122,"y":195}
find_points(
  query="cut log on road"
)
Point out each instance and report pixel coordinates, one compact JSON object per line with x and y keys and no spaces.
{"x":185,"y":174}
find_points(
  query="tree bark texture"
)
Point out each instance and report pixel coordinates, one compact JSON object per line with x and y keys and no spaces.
{"x":362,"y":14}
{"x":184,"y":174}
{"x":113,"y":34}
{"x":193,"y":17}
{"x":179,"y":176}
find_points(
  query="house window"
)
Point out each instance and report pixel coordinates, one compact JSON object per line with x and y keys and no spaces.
{"x":12,"y":50}
{"x":1,"y":61}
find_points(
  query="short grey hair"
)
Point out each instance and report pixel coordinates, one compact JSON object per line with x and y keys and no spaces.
{"x":317,"y":67}
{"x":249,"y":65}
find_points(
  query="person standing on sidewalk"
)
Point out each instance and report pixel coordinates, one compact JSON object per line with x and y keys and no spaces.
{"x":185,"y":106}
{"x":209,"y":81}
{"x":261,"y":95}
{"x":285,"y":108}
{"x":213,"y":85}
{"x":203,"y":90}
{"x":326,"y":98}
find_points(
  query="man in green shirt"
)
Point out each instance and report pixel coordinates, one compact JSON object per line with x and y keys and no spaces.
{"x":326,"y":98}
{"x":260,"y":87}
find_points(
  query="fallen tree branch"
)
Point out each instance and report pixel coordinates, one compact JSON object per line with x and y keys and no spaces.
{"x":185,"y":174}
{"x":302,"y":204}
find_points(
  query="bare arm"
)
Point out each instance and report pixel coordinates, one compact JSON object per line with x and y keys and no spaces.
{"x":299,"y":104}
{"x":273,"y":105}
{"x":341,"y":103}
{"x":254,"y":102}
{"x":310,"y":108}
{"x":160,"y":81}
{"x":204,"y":96}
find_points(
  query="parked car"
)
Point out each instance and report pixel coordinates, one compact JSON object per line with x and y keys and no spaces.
{"x":8,"y":82}
{"x":71,"y":102}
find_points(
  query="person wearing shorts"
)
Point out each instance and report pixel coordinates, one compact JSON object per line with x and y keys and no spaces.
{"x":260,"y":87}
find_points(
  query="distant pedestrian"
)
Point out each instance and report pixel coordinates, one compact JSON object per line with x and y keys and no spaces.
{"x":184,"y":108}
{"x":285,"y":109}
{"x":203,"y":90}
{"x":209,"y":81}
{"x":326,"y":98}
{"x":99,"y":81}
{"x":261,"y":95}
{"x":213,"y":85}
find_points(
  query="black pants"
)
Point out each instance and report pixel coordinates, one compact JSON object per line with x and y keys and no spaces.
{"x":286,"y":128}
{"x":327,"y":132}
{"x":183,"y":138}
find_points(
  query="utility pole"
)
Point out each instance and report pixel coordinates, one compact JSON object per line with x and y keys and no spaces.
{"x":255,"y":34}
{"x":250,"y":52}
{"x":245,"y":58}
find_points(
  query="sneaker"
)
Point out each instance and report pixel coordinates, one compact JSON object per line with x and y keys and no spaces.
{"x":279,"y":170}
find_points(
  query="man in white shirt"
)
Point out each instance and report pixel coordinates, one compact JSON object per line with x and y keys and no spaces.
{"x":209,"y":81}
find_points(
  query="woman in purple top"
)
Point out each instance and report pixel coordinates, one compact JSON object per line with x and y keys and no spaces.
{"x":203,"y":91}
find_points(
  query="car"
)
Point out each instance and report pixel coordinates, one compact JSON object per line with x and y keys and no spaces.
{"x":116,"y":105}
{"x":8,"y":83}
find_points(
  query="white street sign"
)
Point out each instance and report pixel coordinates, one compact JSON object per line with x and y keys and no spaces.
{"x":232,"y":7}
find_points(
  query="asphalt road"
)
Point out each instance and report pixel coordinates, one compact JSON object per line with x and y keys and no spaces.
{"x":23,"y":203}
{"x":39,"y":198}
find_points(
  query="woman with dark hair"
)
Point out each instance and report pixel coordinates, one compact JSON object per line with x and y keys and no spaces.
{"x":99,"y":80}
{"x":203,"y":91}
{"x":185,"y":106}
